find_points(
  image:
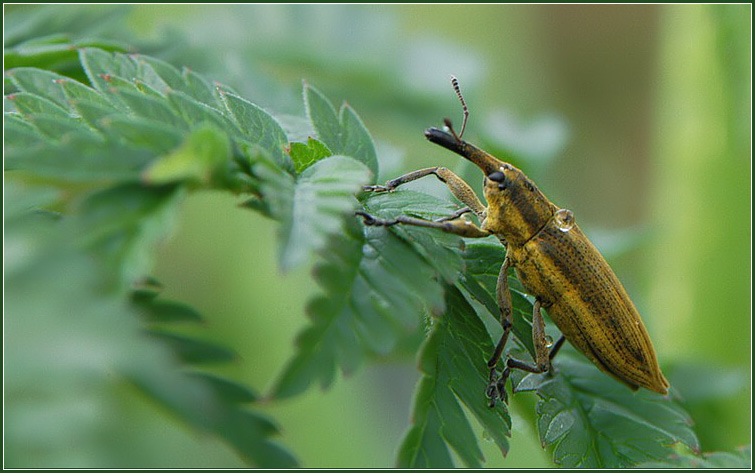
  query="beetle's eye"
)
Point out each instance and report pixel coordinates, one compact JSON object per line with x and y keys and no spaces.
{"x":497,"y":176}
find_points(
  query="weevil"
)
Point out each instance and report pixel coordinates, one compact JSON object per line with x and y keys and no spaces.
{"x":555,"y":262}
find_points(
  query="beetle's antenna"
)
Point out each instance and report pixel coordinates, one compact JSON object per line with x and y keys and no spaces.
{"x":449,"y":125}
{"x":455,"y":83}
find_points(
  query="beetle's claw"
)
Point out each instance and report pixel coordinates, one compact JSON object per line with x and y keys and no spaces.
{"x":496,"y":388}
{"x":368,"y":219}
{"x":502,"y":391}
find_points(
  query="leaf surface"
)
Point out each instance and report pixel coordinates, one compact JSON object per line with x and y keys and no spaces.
{"x":454,"y":377}
{"x":343,"y":133}
{"x":594,"y":421}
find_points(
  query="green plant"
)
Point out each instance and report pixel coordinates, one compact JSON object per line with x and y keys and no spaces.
{"x":96,"y":169}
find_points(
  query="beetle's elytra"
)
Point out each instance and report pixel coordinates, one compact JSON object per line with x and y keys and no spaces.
{"x":555,"y":262}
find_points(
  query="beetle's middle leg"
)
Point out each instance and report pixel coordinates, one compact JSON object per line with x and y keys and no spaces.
{"x":459,"y":226}
{"x":495,"y":387}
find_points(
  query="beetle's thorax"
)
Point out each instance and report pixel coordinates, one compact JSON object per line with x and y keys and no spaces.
{"x":517,"y":209}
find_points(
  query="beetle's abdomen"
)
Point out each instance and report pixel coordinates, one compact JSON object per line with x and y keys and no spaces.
{"x":588,"y":303}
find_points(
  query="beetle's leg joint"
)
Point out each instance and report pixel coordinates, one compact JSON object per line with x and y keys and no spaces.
{"x":377,"y":188}
{"x":455,"y":215}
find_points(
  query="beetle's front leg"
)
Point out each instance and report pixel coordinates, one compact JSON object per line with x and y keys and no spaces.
{"x":458,"y":187}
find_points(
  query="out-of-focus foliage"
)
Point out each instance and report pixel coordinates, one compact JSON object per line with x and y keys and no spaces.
{"x":700,"y":199}
{"x":74,"y":344}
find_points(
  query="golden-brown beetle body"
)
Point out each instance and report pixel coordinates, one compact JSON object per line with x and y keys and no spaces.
{"x":557,"y":264}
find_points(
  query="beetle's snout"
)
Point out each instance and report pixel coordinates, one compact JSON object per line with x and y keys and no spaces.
{"x":485,"y":161}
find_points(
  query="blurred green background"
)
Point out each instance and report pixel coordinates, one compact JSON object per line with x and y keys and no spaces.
{"x":636,"y":117}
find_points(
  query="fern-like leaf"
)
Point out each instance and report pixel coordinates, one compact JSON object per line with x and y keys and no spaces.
{"x":454,"y":374}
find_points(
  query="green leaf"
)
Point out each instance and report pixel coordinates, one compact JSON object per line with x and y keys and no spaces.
{"x":101,"y":67}
{"x":196,"y":160}
{"x":39,"y":82}
{"x":25,"y":201}
{"x":145,"y":289}
{"x":51,"y":56}
{"x":343,"y":134}
{"x":49,"y":36}
{"x":158,"y":74}
{"x":229,"y":390}
{"x":248,"y":432}
{"x":167,"y":311}
{"x":356,"y":140}
{"x":76,"y":92}
{"x":298,"y":129}
{"x":594,"y":421}
{"x":29,"y":105}
{"x":378,"y":284}
{"x":92,"y":112}
{"x":376,"y":289}
{"x":199,"y":88}
{"x":146,"y":106}
{"x":51,"y":24}
{"x":312,"y":206}
{"x":59,"y":128}
{"x":441,"y":249}
{"x":137,"y":132}
{"x":123,"y":223}
{"x":19,"y":133}
{"x":190,"y":350}
{"x":454,"y":376}
{"x":304,"y":155}
{"x":323,"y":117}
{"x":79,"y":158}
{"x":194,"y":112}
{"x":107,"y":71}
{"x":259,"y":127}
{"x":741,"y":459}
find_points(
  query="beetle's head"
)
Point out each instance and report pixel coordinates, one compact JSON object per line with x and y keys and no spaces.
{"x":502,"y":180}
{"x":508,"y":183}
{"x":516,"y":207}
